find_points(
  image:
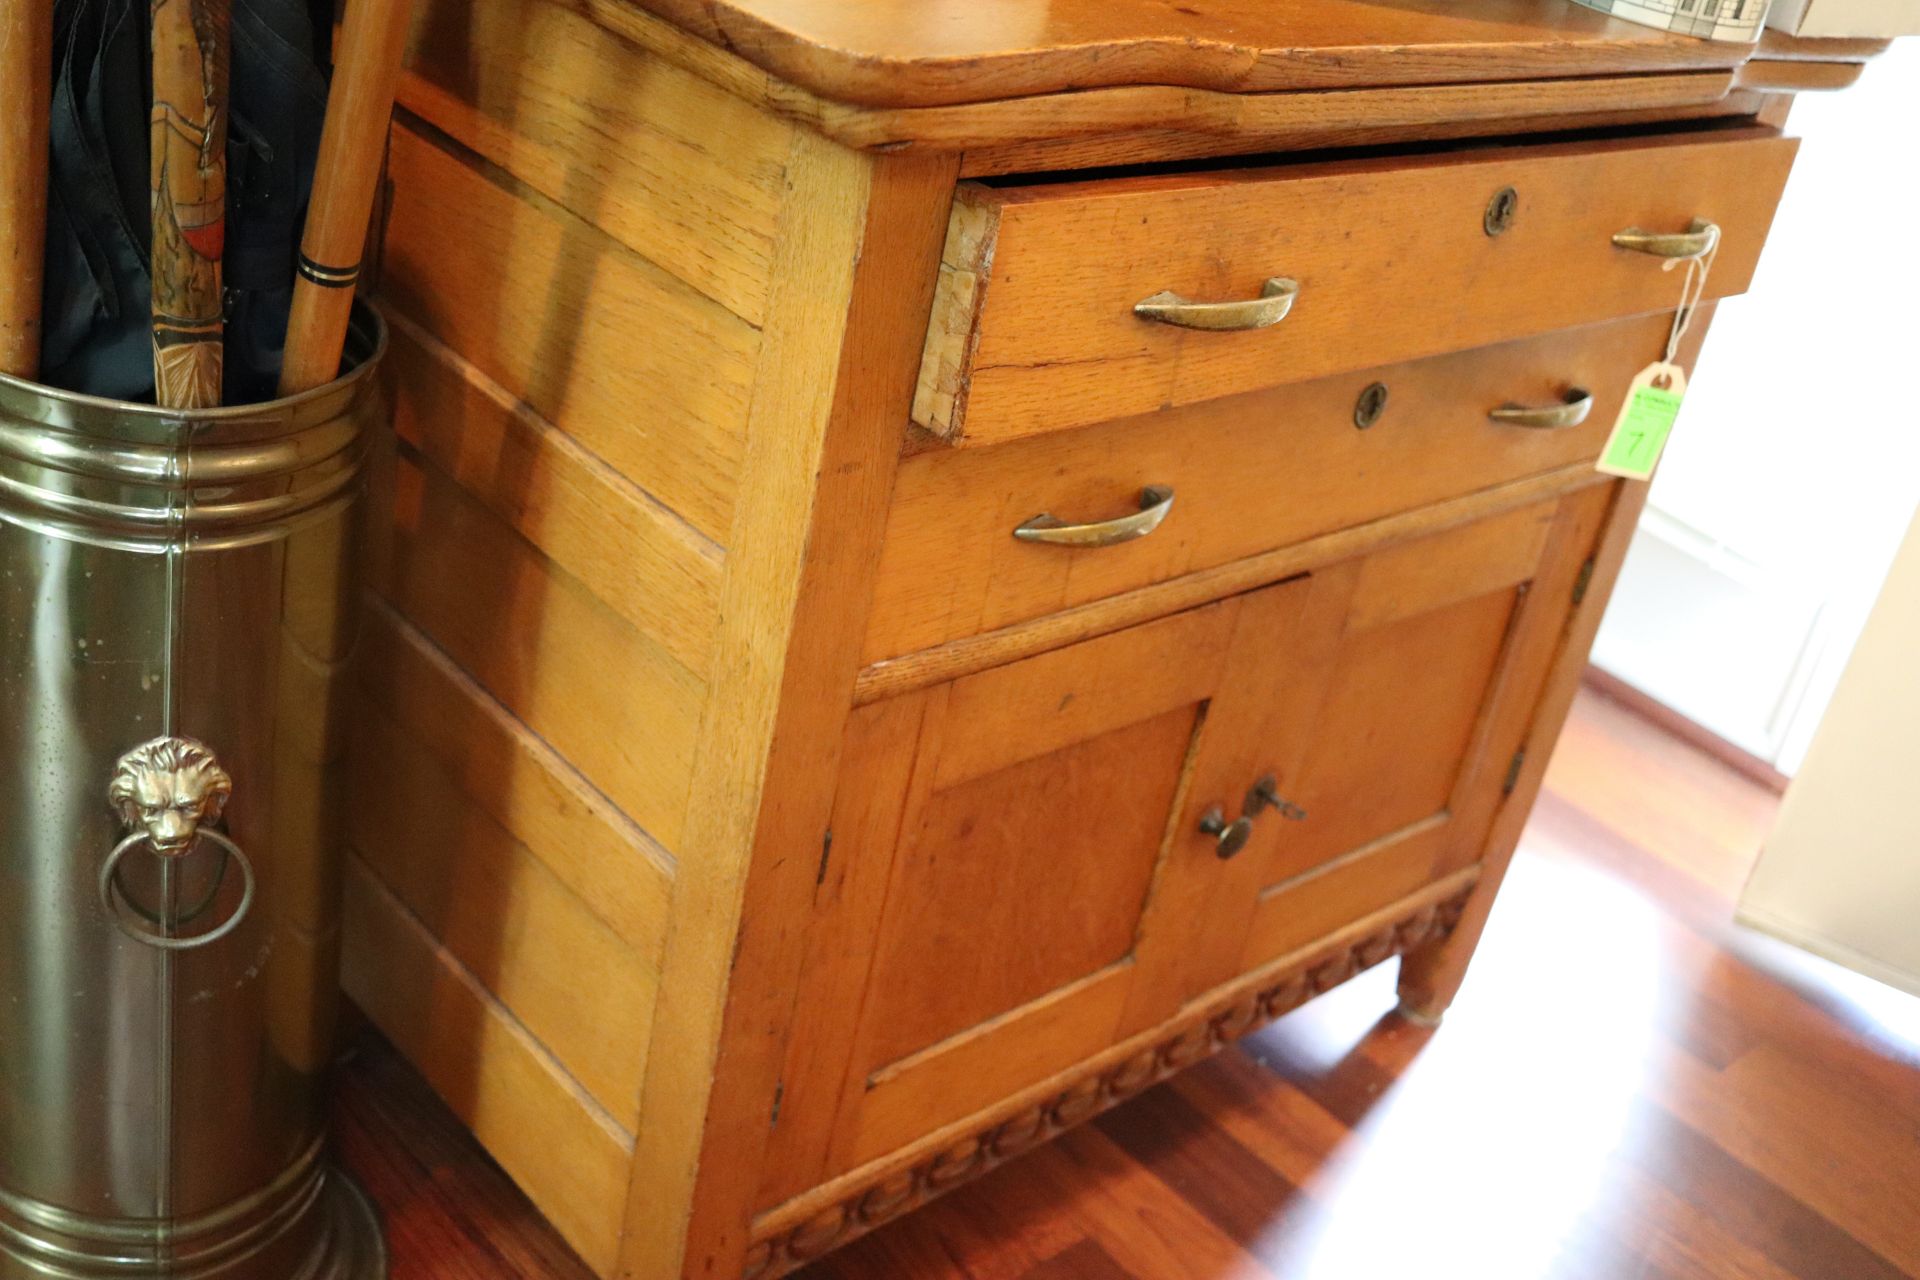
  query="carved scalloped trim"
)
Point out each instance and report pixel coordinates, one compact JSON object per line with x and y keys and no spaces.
{"x":1184,"y":1043}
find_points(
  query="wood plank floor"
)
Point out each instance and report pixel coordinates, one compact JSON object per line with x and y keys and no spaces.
{"x":1628,"y":1088}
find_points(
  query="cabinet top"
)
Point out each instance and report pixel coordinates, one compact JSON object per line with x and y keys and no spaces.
{"x":914,"y":53}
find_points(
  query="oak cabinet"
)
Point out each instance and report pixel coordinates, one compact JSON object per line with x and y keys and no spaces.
{"x":757,"y":832}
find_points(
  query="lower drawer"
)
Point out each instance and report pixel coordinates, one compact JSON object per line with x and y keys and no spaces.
{"x":1246,"y":474}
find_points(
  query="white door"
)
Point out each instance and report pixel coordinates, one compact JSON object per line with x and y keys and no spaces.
{"x":1840,"y":875}
{"x":1794,"y":470}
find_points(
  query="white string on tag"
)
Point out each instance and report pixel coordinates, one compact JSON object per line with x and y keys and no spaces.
{"x":1653,"y":398}
{"x":1692,"y":290}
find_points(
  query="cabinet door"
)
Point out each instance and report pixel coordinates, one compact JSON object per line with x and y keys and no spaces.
{"x":1389,"y":727}
{"x":998,"y":859}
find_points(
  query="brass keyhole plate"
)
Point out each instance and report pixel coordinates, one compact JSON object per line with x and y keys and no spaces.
{"x":1371,"y":404}
{"x":1500,"y":210}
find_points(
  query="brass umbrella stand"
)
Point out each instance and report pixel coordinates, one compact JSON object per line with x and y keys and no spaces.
{"x":179,"y":612}
{"x":178,"y":608}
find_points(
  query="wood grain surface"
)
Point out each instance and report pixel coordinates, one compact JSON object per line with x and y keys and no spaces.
{"x":26,"y":65}
{"x":188,"y":158}
{"x":353,"y":149}
{"x":923,"y":52}
{"x":1723,"y":1081}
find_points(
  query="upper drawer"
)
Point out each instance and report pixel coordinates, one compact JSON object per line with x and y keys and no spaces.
{"x":1034,"y":326}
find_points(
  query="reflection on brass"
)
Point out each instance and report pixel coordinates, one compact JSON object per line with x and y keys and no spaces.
{"x":1570,"y":412}
{"x":169,"y":786}
{"x":1500,"y":211}
{"x":1697,"y":241}
{"x":175,"y":578}
{"x":1371,"y":404}
{"x":1155,"y":501}
{"x":1270,"y":308}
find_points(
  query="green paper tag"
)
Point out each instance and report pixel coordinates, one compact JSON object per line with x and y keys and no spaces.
{"x":1645,"y":421}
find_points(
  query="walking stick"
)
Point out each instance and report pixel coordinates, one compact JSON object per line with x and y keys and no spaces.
{"x":26,"y":66}
{"x":352,"y":147}
{"x":189,"y":171}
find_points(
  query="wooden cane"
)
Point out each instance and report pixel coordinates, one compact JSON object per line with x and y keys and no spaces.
{"x":189,"y":171}
{"x":26,"y":68}
{"x":352,"y":148}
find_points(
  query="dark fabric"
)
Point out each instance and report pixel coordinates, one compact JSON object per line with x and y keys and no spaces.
{"x":98,"y":293}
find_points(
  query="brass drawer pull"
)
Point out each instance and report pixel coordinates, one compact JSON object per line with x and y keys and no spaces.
{"x":1270,"y":308}
{"x":1697,"y":241}
{"x":1155,"y":501}
{"x":1570,"y":412}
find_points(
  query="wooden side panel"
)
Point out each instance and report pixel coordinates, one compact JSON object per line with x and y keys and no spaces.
{"x":512,"y":777}
{"x":567,"y":1154}
{"x":655,"y":348}
{"x":645,"y":562}
{"x":581,"y":990}
{"x":552,"y":309}
{"x":541,"y":89}
{"x":608,"y":698}
{"x":1391,"y":256}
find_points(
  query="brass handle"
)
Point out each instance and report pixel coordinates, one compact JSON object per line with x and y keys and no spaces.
{"x":1270,"y":308}
{"x":168,"y":792}
{"x":1230,"y":837}
{"x":1265,"y":794}
{"x":1697,"y":241}
{"x":1155,"y":501}
{"x":1570,"y":412}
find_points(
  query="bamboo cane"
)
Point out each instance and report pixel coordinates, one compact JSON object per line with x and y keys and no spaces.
{"x":189,"y":171}
{"x":26,"y":67}
{"x":352,"y":148}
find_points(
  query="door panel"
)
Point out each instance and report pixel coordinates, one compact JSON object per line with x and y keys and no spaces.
{"x":1425,"y":697}
{"x":1021,"y":881}
{"x":1402,"y":701}
{"x":999,"y":844}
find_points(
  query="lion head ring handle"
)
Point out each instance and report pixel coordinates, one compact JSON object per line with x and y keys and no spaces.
{"x":168,"y":792}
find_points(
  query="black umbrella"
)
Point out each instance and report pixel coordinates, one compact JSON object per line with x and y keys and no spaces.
{"x":96,"y":321}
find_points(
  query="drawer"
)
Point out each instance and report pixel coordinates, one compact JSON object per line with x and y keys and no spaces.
{"x":1034,"y":326}
{"x":1248,"y":473}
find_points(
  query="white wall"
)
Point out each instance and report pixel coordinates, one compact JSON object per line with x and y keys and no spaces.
{"x":1840,"y":875}
{"x":1796,"y":463}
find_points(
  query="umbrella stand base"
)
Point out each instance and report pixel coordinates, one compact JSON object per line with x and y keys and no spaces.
{"x":355,"y":1246}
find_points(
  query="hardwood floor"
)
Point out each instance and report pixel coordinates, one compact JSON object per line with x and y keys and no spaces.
{"x":1628,"y":1088}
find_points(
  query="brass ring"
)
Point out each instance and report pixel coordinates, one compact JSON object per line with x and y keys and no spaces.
{"x":110,"y":868}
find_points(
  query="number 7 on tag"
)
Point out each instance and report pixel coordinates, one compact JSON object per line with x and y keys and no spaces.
{"x":1646,"y":420}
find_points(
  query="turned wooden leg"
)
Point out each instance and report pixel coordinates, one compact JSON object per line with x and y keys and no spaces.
{"x":1431,"y":974}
